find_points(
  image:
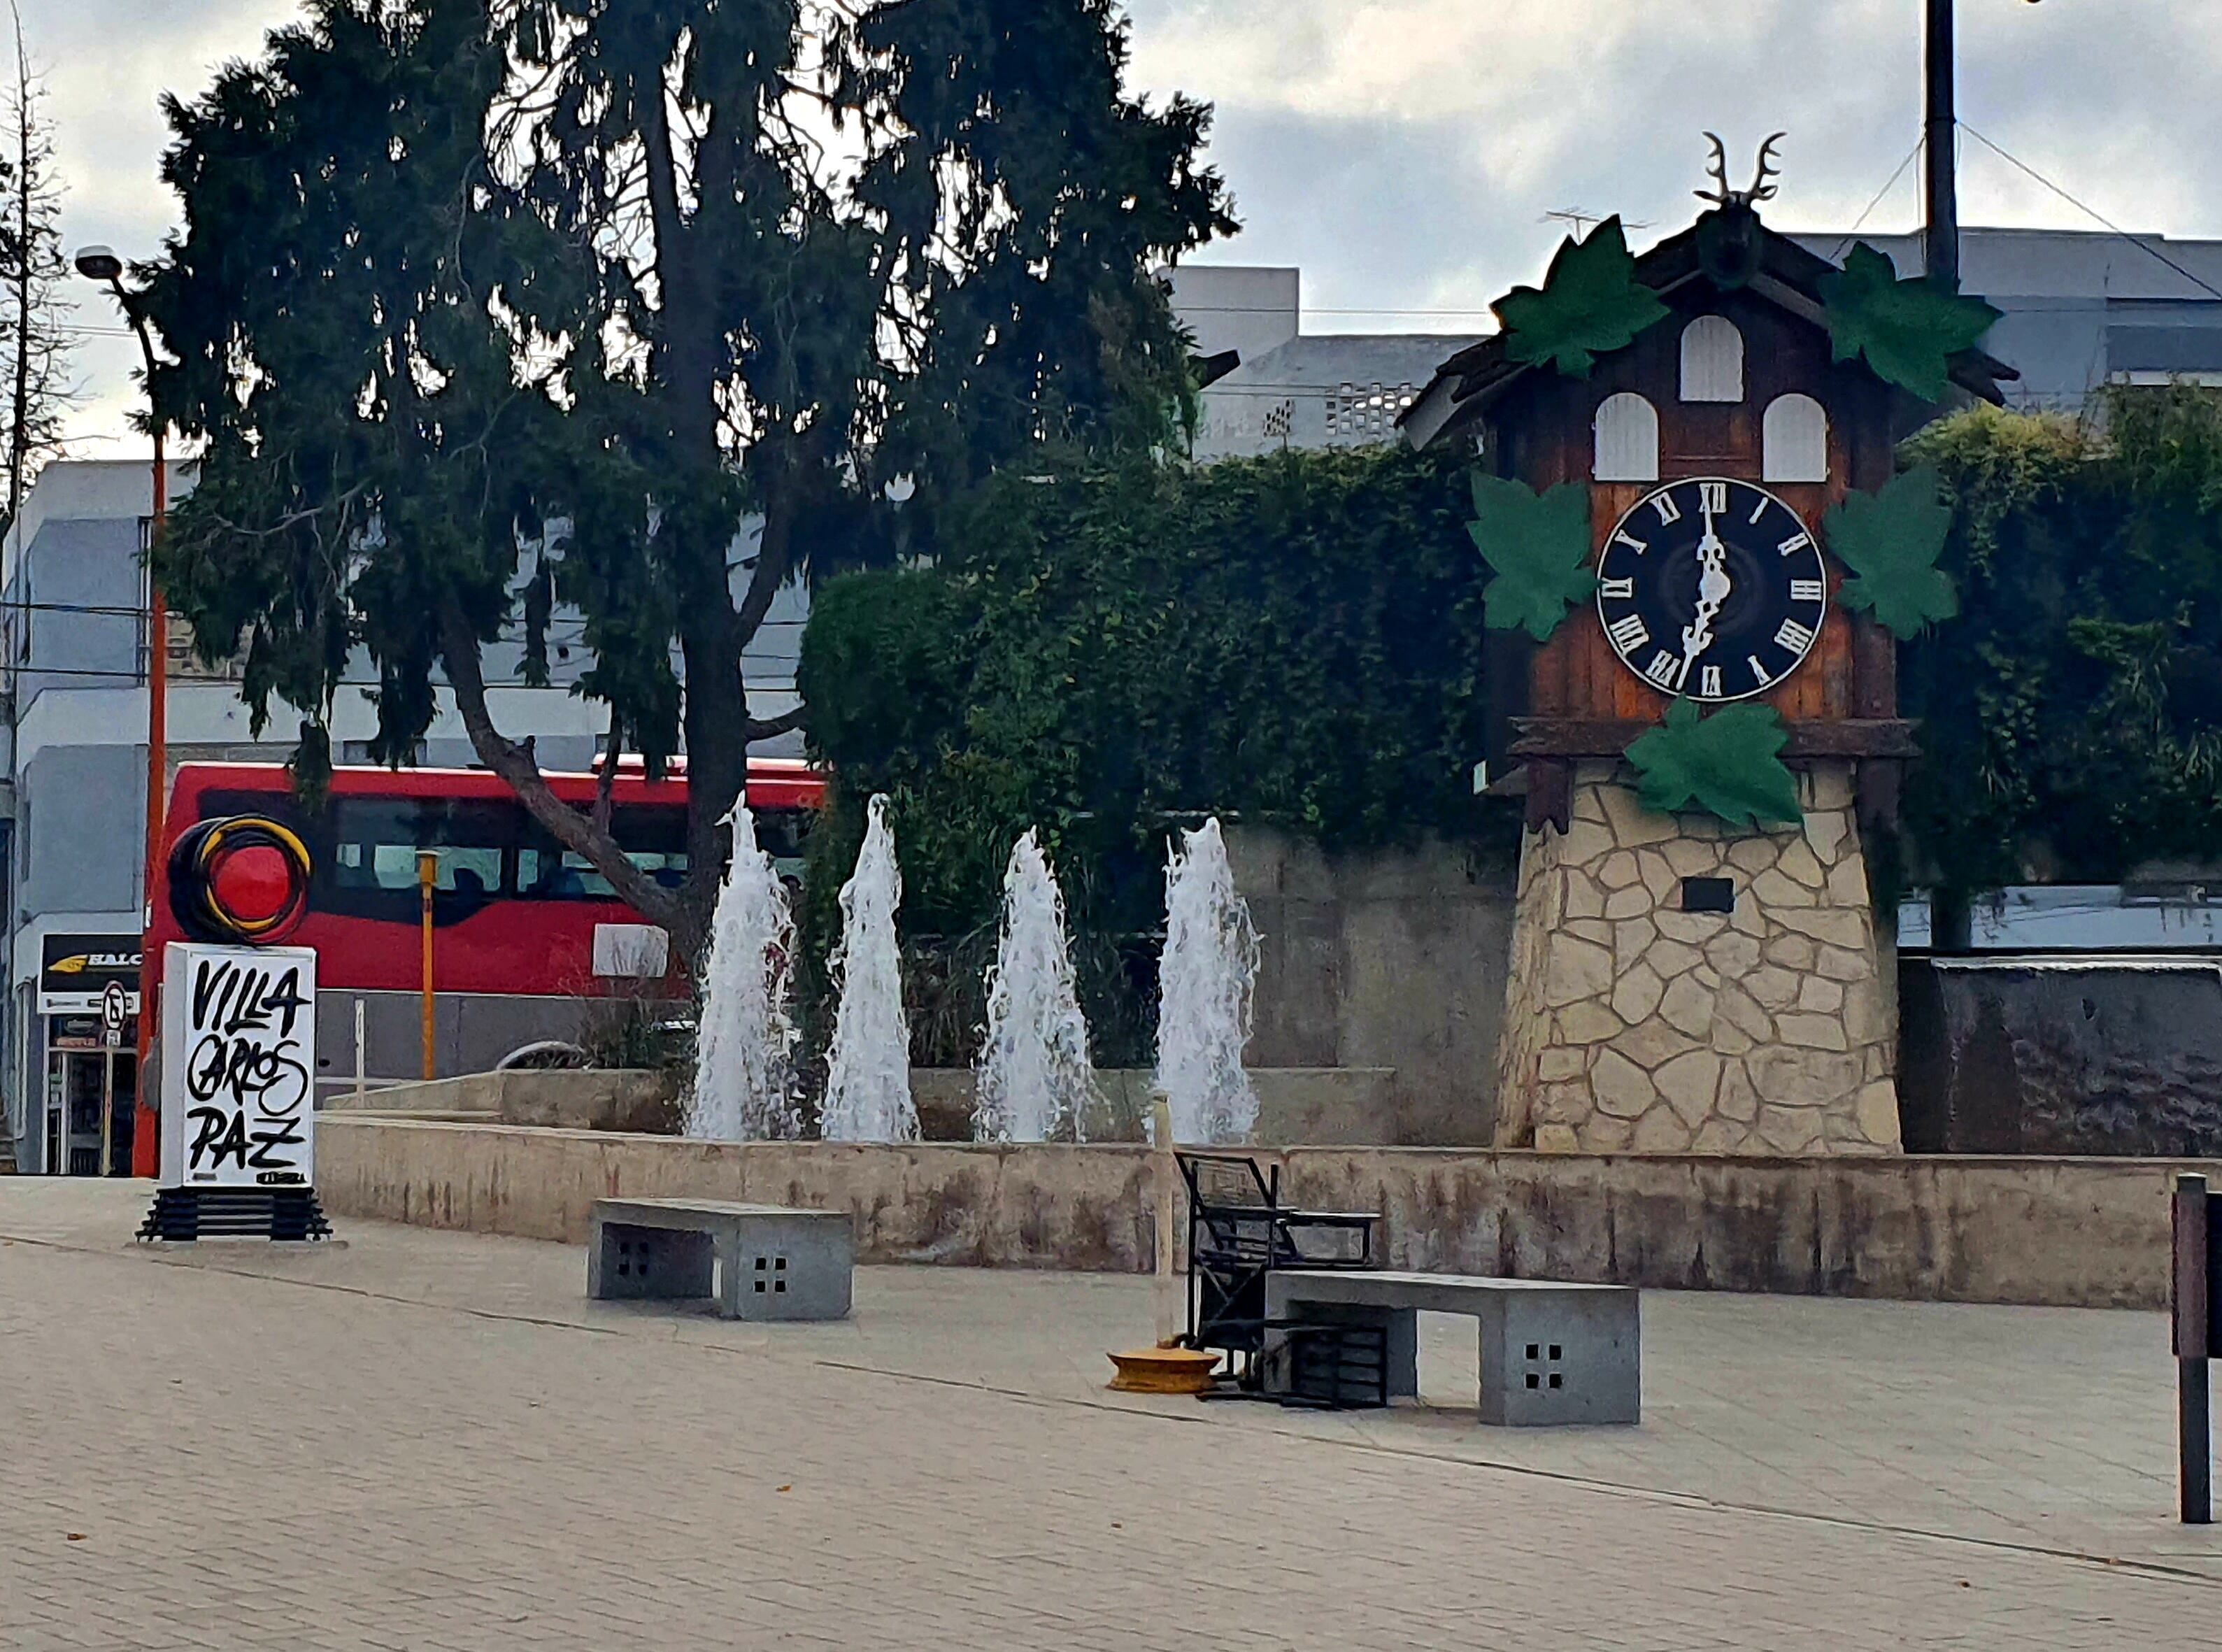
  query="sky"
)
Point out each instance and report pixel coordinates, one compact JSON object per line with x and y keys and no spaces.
{"x":1405,"y":153}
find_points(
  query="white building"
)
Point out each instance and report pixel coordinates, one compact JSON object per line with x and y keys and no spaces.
{"x":73,"y":777}
{"x":1289,"y":388}
{"x":2081,"y":310}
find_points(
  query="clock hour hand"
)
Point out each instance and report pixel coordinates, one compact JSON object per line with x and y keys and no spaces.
{"x":1713,"y":588}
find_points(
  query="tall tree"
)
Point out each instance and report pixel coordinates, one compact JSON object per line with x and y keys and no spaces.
{"x":645,"y":308}
{"x":35,"y":350}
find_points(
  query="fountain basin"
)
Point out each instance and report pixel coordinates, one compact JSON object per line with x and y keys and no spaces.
{"x":2066,"y":1231}
{"x":1356,"y":1105}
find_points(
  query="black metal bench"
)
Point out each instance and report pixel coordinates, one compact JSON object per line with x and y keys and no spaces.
{"x":1238,"y":1231}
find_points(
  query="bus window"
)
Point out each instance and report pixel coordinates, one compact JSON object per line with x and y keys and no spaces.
{"x":654,"y":839}
{"x":779,"y":834}
{"x":366,"y":847}
{"x":474,"y":870}
{"x":565,"y":875}
{"x":370,"y":868}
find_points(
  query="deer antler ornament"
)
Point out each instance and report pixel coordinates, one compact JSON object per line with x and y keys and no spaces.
{"x":1718,"y":166}
{"x":1761,"y":189}
{"x":1762,"y":186}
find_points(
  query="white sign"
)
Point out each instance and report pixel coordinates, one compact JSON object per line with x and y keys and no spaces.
{"x":637,"y":951}
{"x":239,"y":1039}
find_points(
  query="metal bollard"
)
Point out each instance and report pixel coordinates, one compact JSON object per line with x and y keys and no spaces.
{"x":2192,"y":1339}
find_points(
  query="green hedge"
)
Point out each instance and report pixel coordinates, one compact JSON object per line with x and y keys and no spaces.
{"x":1111,"y":652}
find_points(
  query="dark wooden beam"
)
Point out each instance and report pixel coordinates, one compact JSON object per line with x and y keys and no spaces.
{"x":1572,"y":737}
{"x":1550,"y":794}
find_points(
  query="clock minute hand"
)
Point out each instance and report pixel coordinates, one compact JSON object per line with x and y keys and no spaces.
{"x":1713,"y":588}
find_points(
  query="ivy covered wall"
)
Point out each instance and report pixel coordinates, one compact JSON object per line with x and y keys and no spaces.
{"x":1107,"y":653}
{"x":1296,"y":637}
{"x":2071,"y":714}
{"x":1301,"y":639}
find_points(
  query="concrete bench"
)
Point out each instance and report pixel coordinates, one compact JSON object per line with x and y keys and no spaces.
{"x":1550,"y":1352}
{"x":760,"y":1261}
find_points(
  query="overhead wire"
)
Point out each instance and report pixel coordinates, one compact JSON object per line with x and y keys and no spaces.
{"x":120,"y":673}
{"x":1316,"y":310}
{"x":2093,"y":212}
{"x":1867,"y":210}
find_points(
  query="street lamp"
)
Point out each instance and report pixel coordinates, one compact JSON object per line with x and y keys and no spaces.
{"x":101,"y":264}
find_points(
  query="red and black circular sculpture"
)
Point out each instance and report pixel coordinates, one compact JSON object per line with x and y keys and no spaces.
{"x":239,"y":878}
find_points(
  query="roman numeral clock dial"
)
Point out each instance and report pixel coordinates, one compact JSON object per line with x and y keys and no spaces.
{"x":1711,"y":588}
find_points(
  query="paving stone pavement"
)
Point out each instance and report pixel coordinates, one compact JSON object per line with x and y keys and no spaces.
{"x":427,"y":1440}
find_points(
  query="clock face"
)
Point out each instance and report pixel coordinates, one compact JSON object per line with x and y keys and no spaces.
{"x":1711,"y":588}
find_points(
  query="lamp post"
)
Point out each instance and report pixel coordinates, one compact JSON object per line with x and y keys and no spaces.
{"x":1940,"y":245}
{"x":101,"y":264}
{"x":1940,"y":248}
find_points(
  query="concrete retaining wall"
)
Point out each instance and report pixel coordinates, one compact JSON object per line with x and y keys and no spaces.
{"x":1392,"y":959}
{"x":2066,"y":1232}
{"x":1036,"y":1206}
{"x":599,"y":1098}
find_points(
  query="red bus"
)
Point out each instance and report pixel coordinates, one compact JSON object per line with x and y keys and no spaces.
{"x":526,"y":935}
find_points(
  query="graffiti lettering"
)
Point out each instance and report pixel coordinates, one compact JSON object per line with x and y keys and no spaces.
{"x":247,"y":1066}
{"x":244,"y":1069}
{"x":231,"y":996}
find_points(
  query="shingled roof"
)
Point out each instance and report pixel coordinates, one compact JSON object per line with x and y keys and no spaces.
{"x":1783,"y":273}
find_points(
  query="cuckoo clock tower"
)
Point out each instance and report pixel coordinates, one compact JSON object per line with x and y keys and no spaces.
{"x":1696,"y":680}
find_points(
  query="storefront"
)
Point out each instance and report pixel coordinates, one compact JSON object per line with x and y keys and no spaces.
{"x":88,"y":1016}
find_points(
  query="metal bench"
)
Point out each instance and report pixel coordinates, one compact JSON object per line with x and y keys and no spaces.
{"x":1550,"y":1352}
{"x":760,"y":1261}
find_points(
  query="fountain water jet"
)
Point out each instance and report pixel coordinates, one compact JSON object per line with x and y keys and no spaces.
{"x":743,"y":1049}
{"x":868,"y":1082}
{"x":1034,"y":1081}
{"x":1205,"y":983}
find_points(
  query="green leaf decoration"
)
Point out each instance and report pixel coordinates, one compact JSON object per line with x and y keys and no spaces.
{"x":1590,"y":304}
{"x":1538,"y":544}
{"x":1728,"y":764}
{"x":1909,"y":330}
{"x":1890,"y":540}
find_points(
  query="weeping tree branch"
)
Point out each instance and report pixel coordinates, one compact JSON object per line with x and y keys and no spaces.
{"x":768,"y":728}
{"x":579,"y":832}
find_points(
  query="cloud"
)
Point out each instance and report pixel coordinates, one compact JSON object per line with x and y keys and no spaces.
{"x":108,"y":63}
{"x":105,"y":64}
{"x":1405,"y":152}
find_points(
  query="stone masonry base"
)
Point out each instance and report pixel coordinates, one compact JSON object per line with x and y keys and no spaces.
{"x":1632,"y":1025}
